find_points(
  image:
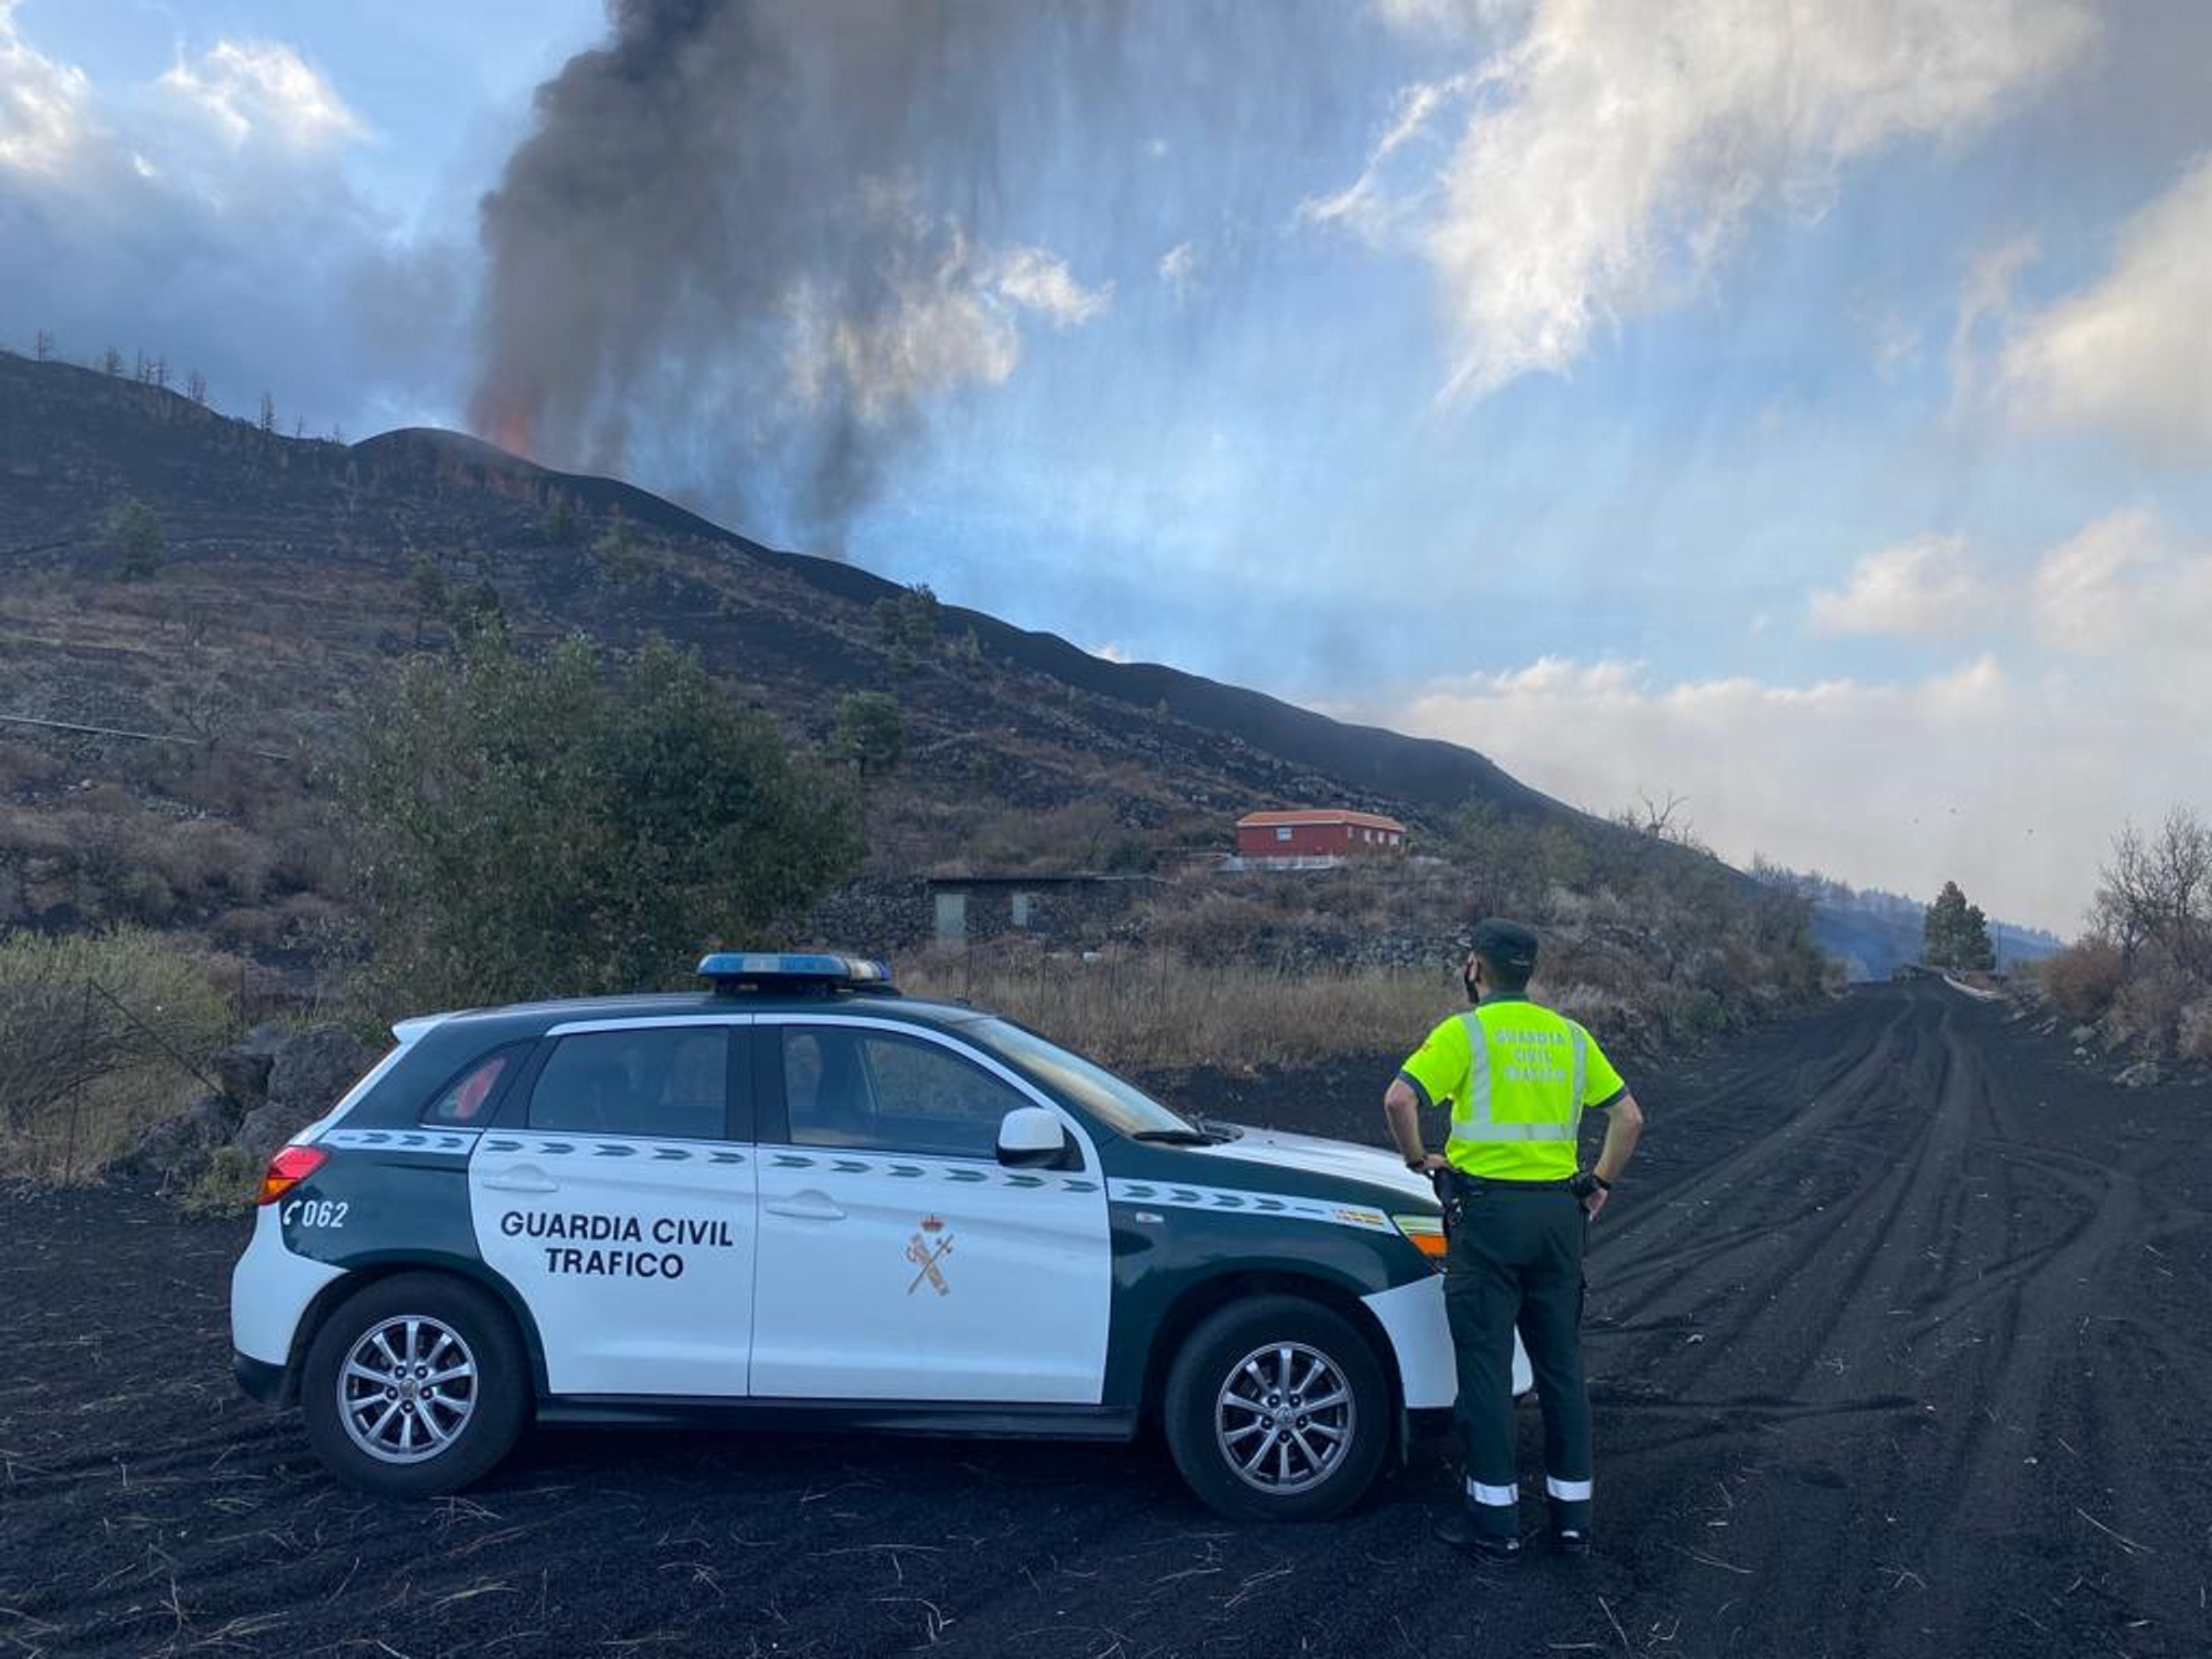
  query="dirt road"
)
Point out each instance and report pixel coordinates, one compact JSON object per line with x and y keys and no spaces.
{"x":1899,"y":1330}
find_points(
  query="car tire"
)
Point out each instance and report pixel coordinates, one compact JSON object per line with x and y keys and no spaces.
{"x":1294,"y":1383}
{"x":415,"y":1387}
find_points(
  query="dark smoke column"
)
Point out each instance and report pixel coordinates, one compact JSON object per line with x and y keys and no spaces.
{"x":748,"y":240}
{"x":607,"y":216}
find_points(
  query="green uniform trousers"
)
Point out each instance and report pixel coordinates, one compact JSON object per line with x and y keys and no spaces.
{"x":1516,"y":1260}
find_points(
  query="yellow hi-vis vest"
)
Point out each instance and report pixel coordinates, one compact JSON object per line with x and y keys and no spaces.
{"x":1517,"y":1077}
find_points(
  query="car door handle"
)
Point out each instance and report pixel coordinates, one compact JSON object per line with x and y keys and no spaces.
{"x":808,"y":1206}
{"x":523,"y":1178}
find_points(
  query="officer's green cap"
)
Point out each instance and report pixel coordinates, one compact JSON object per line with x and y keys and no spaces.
{"x":1508,"y":944}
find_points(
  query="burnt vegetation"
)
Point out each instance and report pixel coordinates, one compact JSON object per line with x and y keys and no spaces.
{"x":2139,"y":980}
{"x":233,"y":658}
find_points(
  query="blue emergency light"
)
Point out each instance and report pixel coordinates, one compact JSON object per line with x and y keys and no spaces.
{"x":818,"y":970}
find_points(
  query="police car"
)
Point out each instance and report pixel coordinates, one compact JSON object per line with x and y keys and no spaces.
{"x":800,"y":1197}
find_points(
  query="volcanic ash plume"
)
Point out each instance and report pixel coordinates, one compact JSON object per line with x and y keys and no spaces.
{"x":747,"y":236}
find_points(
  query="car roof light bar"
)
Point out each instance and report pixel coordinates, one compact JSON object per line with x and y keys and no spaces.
{"x":731,"y":971}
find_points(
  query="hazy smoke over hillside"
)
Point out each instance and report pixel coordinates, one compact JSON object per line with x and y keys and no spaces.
{"x":761,"y":235}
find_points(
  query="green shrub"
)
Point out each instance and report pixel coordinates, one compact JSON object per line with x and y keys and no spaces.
{"x":525,"y":826}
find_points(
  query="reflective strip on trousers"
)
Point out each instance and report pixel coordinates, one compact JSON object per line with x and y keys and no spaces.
{"x":1472,"y":1121}
{"x":1498,"y":1498}
{"x":1567,"y":1491}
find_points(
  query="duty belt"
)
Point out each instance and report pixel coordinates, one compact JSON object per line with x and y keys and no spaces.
{"x":1492,"y":1181}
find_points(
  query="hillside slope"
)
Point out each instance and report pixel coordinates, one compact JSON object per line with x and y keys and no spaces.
{"x":287,"y":576}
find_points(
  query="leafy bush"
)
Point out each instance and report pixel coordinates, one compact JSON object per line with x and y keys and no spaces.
{"x":134,"y":531}
{"x":870,"y":731}
{"x":100,"y":1034}
{"x":527,"y":827}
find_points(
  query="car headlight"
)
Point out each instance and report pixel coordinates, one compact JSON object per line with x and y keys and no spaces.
{"x":1425,"y":1233}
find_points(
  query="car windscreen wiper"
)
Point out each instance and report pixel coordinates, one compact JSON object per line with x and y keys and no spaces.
{"x":1201,"y":1133}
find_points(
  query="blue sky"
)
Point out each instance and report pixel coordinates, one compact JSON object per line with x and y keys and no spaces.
{"x":1810,"y":418}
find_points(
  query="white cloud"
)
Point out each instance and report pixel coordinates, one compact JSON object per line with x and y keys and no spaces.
{"x":2133,"y":352}
{"x":2011,"y":785}
{"x":2124,"y":584}
{"x":1038,"y":280}
{"x":1985,"y":298}
{"x":1608,"y":157}
{"x":1923,"y":588}
{"x":936,"y":331}
{"x":1178,"y":268}
{"x":261,"y":90}
{"x":158,"y":215}
{"x":2007,"y":773}
{"x":944,"y":318}
{"x":45,"y":106}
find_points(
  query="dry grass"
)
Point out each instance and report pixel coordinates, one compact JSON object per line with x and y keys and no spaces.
{"x":1158,"y":1013}
{"x":100,"y":1034}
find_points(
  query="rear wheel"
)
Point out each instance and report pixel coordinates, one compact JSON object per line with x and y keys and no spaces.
{"x":1277,"y":1410}
{"x":415,"y":1388}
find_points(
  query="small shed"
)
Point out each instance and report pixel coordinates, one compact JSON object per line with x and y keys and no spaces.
{"x":1317,"y":832}
{"x":1062,"y":908}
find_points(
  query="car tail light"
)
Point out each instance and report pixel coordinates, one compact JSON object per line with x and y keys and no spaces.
{"x":291,"y":1166}
{"x":1425,"y":1232}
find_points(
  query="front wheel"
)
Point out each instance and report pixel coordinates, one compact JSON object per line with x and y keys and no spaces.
{"x":1276,"y":1410}
{"x":415,"y":1388}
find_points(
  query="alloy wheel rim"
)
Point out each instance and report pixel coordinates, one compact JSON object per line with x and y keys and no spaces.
{"x":1283,"y":1417}
{"x":407,"y":1389}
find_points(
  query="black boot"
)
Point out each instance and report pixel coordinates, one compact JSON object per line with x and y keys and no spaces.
{"x":1458,"y":1529}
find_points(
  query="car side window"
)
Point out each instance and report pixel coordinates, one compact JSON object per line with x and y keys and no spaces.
{"x":665,"y":1080}
{"x":850,"y":1086}
{"x":465,"y":1103}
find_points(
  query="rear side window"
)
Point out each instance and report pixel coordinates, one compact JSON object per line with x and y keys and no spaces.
{"x":465,"y":1103}
{"x":670,"y":1081}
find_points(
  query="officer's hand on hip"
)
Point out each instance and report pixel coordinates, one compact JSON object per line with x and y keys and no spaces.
{"x":1590,"y":1191}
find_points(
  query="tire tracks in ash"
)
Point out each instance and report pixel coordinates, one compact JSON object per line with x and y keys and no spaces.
{"x":1893,"y":1320}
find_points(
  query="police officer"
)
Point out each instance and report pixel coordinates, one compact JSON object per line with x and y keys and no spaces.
{"x":1517,"y":1077}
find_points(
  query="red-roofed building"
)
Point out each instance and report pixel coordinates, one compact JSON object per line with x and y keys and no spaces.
{"x":1317,"y":832}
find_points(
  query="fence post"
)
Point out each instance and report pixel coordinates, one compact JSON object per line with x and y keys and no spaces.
{"x":76,"y":1082}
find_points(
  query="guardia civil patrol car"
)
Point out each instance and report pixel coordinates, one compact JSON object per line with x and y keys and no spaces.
{"x":799,"y":1196}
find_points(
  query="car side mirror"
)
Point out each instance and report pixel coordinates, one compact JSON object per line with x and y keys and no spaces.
{"x":1031,"y":1137}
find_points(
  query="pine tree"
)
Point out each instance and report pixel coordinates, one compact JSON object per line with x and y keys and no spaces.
{"x":1956,"y":934}
{"x":134,"y":532}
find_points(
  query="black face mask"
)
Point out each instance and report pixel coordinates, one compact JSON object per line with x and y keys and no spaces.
{"x":1466,"y":977}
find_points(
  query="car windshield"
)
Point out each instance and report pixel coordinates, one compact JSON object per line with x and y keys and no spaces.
{"x":1121,"y":1106}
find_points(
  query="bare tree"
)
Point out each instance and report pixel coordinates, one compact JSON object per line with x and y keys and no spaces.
{"x":111,"y":361}
{"x":196,"y":386}
{"x":42,"y":346}
{"x":2158,"y":888}
{"x":161,"y":372}
{"x":1661,"y":820}
{"x":268,"y":413}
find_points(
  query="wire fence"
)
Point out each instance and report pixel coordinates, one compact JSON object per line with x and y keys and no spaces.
{"x":101,"y":1035}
